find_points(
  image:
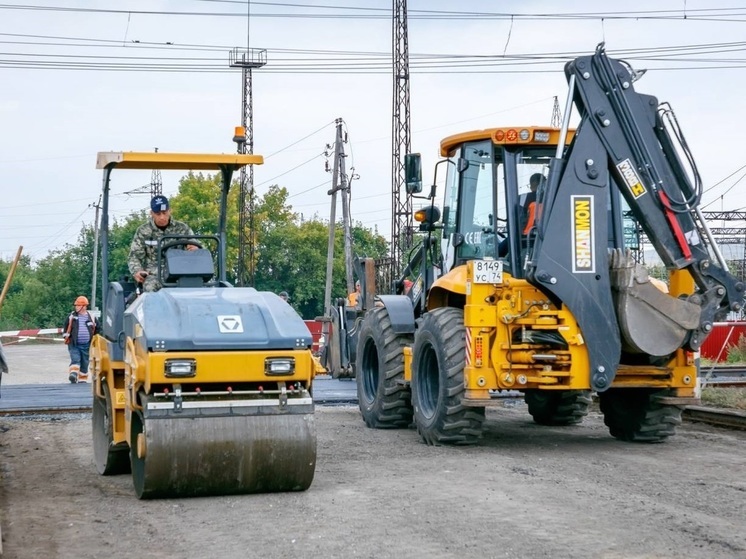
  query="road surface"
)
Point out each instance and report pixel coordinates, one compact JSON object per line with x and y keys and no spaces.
{"x":524,"y":491}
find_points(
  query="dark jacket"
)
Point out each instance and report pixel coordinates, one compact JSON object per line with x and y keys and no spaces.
{"x":71,"y":327}
{"x":3,"y":362}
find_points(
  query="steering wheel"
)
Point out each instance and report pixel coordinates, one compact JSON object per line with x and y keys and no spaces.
{"x":179,"y":242}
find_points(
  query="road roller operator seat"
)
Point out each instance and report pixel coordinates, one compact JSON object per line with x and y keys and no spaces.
{"x":188,"y":268}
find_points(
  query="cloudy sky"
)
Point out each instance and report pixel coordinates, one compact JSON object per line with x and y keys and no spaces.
{"x":78,"y":77}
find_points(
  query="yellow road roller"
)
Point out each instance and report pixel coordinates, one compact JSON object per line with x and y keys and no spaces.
{"x":199,"y":388}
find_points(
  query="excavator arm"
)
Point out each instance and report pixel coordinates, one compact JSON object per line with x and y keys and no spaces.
{"x":626,"y":141}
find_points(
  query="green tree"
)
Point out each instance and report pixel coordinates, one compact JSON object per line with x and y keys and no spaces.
{"x":11,"y":313}
{"x":290,"y":254}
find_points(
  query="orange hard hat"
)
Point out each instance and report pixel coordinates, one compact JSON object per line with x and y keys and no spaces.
{"x":81,"y":300}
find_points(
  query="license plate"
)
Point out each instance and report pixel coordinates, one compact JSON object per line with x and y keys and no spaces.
{"x":488,"y":271}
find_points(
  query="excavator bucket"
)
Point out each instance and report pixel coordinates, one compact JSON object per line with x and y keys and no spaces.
{"x":212,"y":449}
{"x":650,"y":320}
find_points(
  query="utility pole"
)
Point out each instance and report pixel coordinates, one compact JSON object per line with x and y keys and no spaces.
{"x":344,"y":190}
{"x":401,"y":201}
{"x":246,"y":59}
{"x":95,"y":257}
{"x":339,"y":184}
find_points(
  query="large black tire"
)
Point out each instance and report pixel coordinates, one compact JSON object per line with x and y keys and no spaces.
{"x":110,"y":459}
{"x":438,"y":381}
{"x":558,"y":407}
{"x":383,"y":398}
{"x":137,"y":427}
{"x":634,"y":414}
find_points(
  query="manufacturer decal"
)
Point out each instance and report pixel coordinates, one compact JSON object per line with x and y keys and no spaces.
{"x":631,"y":178}
{"x":583,"y":246}
{"x":230,"y":324}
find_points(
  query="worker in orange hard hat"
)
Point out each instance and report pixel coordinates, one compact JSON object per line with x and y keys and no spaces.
{"x":78,"y":331}
{"x":353,"y":299}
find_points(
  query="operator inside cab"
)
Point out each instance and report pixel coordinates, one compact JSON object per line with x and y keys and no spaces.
{"x":529,"y":203}
{"x":143,"y":260}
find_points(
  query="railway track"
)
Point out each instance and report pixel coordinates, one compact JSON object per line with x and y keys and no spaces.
{"x":718,"y":417}
{"x":733,"y":419}
{"x":723,"y":376}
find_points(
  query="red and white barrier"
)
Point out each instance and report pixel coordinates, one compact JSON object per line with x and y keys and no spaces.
{"x":20,"y":336}
{"x":30,"y":333}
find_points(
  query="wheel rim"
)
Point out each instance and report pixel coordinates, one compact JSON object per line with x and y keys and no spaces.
{"x":369,"y":372}
{"x":428,"y":381}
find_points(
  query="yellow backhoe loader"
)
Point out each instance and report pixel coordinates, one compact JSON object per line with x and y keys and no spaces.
{"x":549,"y":300}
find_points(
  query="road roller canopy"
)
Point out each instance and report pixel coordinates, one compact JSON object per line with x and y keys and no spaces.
{"x":175,"y":161}
{"x":225,"y":163}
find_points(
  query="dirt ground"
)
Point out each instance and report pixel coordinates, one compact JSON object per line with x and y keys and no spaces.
{"x":524,"y":492}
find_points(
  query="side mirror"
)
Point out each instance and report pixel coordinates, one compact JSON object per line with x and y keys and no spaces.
{"x":413,"y":172}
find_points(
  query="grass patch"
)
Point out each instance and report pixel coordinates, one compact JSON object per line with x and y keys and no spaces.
{"x":737,"y":353}
{"x":717,"y":397}
{"x":731,"y":397}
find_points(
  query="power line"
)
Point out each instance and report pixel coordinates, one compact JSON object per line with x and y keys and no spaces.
{"x":728,"y":14}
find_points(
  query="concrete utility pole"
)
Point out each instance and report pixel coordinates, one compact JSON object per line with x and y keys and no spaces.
{"x":344,"y":191}
{"x":401,"y":202}
{"x":339,"y":184}
{"x":246,"y":59}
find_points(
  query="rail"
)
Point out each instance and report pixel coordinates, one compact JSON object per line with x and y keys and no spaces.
{"x":722,"y":376}
{"x":718,"y":417}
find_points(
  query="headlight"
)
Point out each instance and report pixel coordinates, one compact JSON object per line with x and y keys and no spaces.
{"x":180,"y":368}
{"x":279,"y":366}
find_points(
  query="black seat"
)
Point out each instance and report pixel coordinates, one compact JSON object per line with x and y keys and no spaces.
{"x":188,"y":268}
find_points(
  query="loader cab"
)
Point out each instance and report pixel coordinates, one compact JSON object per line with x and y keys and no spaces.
{"x":490,"y":209}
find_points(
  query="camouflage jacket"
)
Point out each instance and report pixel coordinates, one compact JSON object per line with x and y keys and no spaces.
{"x":144,"y":245}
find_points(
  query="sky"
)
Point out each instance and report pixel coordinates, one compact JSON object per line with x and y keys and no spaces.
{"x":80,"y":77}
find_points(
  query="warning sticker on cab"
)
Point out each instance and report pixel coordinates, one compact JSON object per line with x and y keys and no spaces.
{"x":488,"y":271}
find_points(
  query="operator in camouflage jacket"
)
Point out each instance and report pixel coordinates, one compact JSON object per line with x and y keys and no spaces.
{"x":143,"y":262}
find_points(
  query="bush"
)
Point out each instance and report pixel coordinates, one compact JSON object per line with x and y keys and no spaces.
{"x":737,"y":353}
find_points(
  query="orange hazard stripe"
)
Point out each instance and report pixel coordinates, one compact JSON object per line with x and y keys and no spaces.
{"x":468,"y":346}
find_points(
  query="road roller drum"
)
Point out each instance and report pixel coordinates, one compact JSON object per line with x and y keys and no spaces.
{"x":206,"y":451}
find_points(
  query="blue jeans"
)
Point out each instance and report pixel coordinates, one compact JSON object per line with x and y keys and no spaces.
{"x":79,"y":356}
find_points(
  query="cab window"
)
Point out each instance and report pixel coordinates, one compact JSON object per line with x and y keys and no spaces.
{"x":476,"y":222}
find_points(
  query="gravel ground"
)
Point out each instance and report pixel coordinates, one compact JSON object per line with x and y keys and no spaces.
{"x":525,"y":491}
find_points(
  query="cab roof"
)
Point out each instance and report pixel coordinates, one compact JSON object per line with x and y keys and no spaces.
{"x":507,"y":135}
{"x":175,"y":161}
